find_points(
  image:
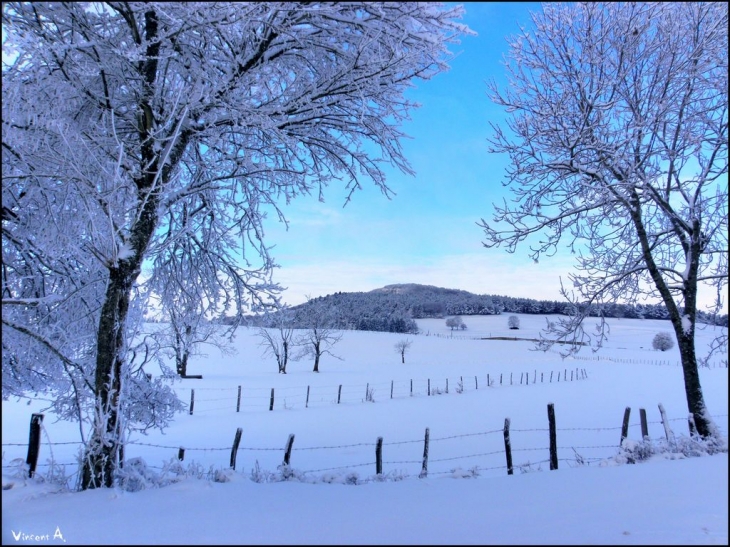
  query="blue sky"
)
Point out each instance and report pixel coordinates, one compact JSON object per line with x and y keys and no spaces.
{"x":427,"y":232}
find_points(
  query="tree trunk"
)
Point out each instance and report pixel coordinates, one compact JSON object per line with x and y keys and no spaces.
{"x":317,"y":353}
{"x":181,"y":363}
{"x":104,"y":448}
{"x":692,"y":387}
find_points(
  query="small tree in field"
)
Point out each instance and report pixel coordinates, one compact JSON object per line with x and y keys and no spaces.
{"x":455,"y":322}
{"x":278,"y":340}
{"x":663,"y":341}
{"x":401,"y":346}
{"x":513,"y":322}
{"x":320,"y":334}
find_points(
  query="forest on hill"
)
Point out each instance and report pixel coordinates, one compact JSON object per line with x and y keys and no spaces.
{"x":394,"y":308}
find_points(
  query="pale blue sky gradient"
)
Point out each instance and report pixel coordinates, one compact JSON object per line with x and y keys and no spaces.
{"x":427,"y":233}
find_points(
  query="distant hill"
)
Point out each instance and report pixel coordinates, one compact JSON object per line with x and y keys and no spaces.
{"x":394,"y":308}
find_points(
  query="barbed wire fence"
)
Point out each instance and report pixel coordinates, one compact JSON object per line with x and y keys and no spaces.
{"x":460,"y":455}
{"x":290,"y":397}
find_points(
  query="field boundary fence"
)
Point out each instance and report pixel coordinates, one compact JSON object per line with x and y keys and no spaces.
{"x":240,"y":397}
{"x":656,"y":362}
{"x":500,"y":450}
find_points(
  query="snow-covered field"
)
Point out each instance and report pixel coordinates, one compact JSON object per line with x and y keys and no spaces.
{"x":334,"y":495}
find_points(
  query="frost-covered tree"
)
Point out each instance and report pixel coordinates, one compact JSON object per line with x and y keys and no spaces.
{"x":662,"y":341}
{"x":277,"y":337}
{"x":617,"y":139}
{"x":513,"y":322}
{"x":455,"y":322}
{"x":318,"y":321}
{"x":153,"y":138}
{"x":402,"y":347}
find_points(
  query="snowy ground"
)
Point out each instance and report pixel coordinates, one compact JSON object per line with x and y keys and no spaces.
{"x":334,"y":495}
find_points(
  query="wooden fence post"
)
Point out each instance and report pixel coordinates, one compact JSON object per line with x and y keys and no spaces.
{"x":234,"y":450}
{"x":476,"y":382}
{"x":508,"y":447}
{"x":379,"y":456}
{"x":34,"y":443}
{"x":553,"y":438}
{"x":500,"y":378}
{"x":667,"y":429}
{"x":424,"y":467}
{"x":551,"y":376}
{"x":306,"y":404}
{"x":367,"y":388}
{"x":339,"y":393}
{"x":644,"y":425}
{"x":411,"y":387}
{"x":192,"y":401}
{"x":510,"y":378}
{"x":287,"y":451}
{"x":181,"y":454}
{"x":429,"y":386}
{"x":238,"y":403}
{"x":447,"y":385}
{"x":391,"y":389}
{"x":534,"y":379}
{"x":271,"y":401}
{"x":625,"y":425}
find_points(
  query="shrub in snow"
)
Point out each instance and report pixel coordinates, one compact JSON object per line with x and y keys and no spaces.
{"x":679,"y":447}
{"x":663,"y":341}
{"x":513,"y":322}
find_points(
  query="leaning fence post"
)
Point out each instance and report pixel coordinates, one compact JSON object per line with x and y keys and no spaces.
{"x":192,"y":401}
{"x":34,"y":443}
{"x":644,"y":425}
{"x":234,"y":449}
{"x":667,"y":430}
{"x":287,"y":451}
{"x":271,"y":401}
{"x":508,"y":447}
{"x":306,"y":404}
{"x":625,"y":425}
{"x":379,"y":456}
{"x":424,"y":467}
{"x":238,"y":403}
{"x":553,"y":438}
{"x":339,"y":393}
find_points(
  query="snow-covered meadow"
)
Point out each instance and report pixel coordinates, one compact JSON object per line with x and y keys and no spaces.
{"x":333,"y":494}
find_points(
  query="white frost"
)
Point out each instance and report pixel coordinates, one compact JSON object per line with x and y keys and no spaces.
{"x":686,"y":324}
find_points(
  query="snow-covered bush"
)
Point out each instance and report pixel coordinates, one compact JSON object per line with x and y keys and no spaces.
{"x":663,"y":341}
{"x":513,"y":322}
